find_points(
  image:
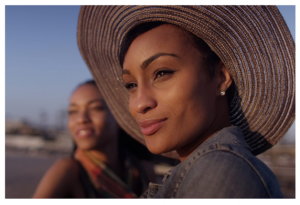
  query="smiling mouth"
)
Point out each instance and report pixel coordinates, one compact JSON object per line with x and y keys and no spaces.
{"x":149,"y":127}
{"x":85,"y":133}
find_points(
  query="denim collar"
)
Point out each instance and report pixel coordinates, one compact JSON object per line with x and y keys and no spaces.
{"x":229,"y":135}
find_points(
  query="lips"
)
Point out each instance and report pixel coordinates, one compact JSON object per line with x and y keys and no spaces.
{"x":149,"y":127}
{"x":84,"y":133}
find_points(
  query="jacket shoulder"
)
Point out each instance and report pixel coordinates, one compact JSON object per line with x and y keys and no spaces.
{"x":225,"y":172}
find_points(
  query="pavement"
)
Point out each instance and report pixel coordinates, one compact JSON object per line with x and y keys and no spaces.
{"x":23,"y":173}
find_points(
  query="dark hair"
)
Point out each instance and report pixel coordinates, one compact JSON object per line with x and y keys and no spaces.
{"x":209,"y":58}
{"x":92,"y":81}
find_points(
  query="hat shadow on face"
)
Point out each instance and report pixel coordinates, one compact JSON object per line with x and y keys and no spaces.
{"x":256,"y":141}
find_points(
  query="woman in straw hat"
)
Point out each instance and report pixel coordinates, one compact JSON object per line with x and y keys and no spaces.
{"x":210,"y":85}
{"x":106,"y":162}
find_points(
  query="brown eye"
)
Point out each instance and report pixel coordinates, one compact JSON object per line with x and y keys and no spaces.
{"x":129,"y":86}
{"x":71,"y":112}
{"x":162,"y":73}
{"x":98,"y":108}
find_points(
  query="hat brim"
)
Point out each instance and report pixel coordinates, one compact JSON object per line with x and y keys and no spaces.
{"x":253,"y":42}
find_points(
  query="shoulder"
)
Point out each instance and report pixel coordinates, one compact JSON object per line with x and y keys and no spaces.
{"x":222,"y":173}
{"x":59,"y":179}
{"x":66,"y":168}
{"x":66,"y":165}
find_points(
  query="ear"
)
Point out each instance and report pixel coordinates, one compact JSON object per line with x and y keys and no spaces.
{"x":223,"y":79}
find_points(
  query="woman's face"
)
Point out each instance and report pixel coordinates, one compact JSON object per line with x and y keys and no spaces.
{"x":171,"y":96}
{"x":90,"y":121}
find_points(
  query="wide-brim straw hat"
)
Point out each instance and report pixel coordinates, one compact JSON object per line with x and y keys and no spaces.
{"x":253,"y":42}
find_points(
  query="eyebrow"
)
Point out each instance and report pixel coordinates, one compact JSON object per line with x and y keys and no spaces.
{"x":145,"y":64}
{"x":92,"y":101}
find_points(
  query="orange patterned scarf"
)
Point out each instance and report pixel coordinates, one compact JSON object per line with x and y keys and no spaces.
{"x":106,"y":182}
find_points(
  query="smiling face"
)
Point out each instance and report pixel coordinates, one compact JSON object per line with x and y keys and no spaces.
{"x":90,"y":122}
{"x":171,"y":96}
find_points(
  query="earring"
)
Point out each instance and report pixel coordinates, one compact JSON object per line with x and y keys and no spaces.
{"x":222,"y":93}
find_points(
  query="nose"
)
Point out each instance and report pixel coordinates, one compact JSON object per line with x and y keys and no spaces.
{"x":144,"y":100}
{"x":83,"y":117}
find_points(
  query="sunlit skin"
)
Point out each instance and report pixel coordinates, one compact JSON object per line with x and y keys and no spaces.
{"x":172,"y":98}
{"x":91,"y":123}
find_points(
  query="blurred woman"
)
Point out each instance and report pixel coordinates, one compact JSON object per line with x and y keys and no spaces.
{"x":102,"y":165}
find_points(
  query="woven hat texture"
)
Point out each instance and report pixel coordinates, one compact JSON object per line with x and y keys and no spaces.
{"x":253,"y":42}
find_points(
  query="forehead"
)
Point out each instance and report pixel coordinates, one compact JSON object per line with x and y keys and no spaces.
{"x":85,"y":93}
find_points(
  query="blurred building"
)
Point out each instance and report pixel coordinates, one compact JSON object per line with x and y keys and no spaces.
{"x":21,"y":127}
{"x":24,"y":137}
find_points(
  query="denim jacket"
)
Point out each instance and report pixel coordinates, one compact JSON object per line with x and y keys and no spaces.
{"x":221,"y":167}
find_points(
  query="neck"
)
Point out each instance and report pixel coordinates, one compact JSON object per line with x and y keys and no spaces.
{"x":185,"y":151}
{"x":221,"y":121}
{"x":108,"y":154}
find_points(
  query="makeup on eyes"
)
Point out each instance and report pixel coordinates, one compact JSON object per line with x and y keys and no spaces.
{"x":129,"y":86}
{"x":71,"y":112}
{"x":158,"y":73}
{"x":161,"y":72}
{"x":98,"y":108}
{"x":95,"y":104}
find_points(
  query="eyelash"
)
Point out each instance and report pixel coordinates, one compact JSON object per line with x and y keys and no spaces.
{"x":98,"y":108}
{"x":163,"y":70}
{"x":129,"y":86}
{"x":70,"y":112}
{"x":156,"y":74}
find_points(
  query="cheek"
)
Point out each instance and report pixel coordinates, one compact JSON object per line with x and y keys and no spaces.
{"x":179,"y":95}
{"x":131,"y":106}
{"x":104,"y":123}
{"x":70,"y":124}
{"x":189,"y":102}
{"x":99,"y":120}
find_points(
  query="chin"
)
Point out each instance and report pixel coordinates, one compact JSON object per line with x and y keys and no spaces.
{"x":86,"y":146}
{"x":158,"y":148}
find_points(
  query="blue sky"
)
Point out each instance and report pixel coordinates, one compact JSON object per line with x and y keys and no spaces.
{"x":42,"y":60}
